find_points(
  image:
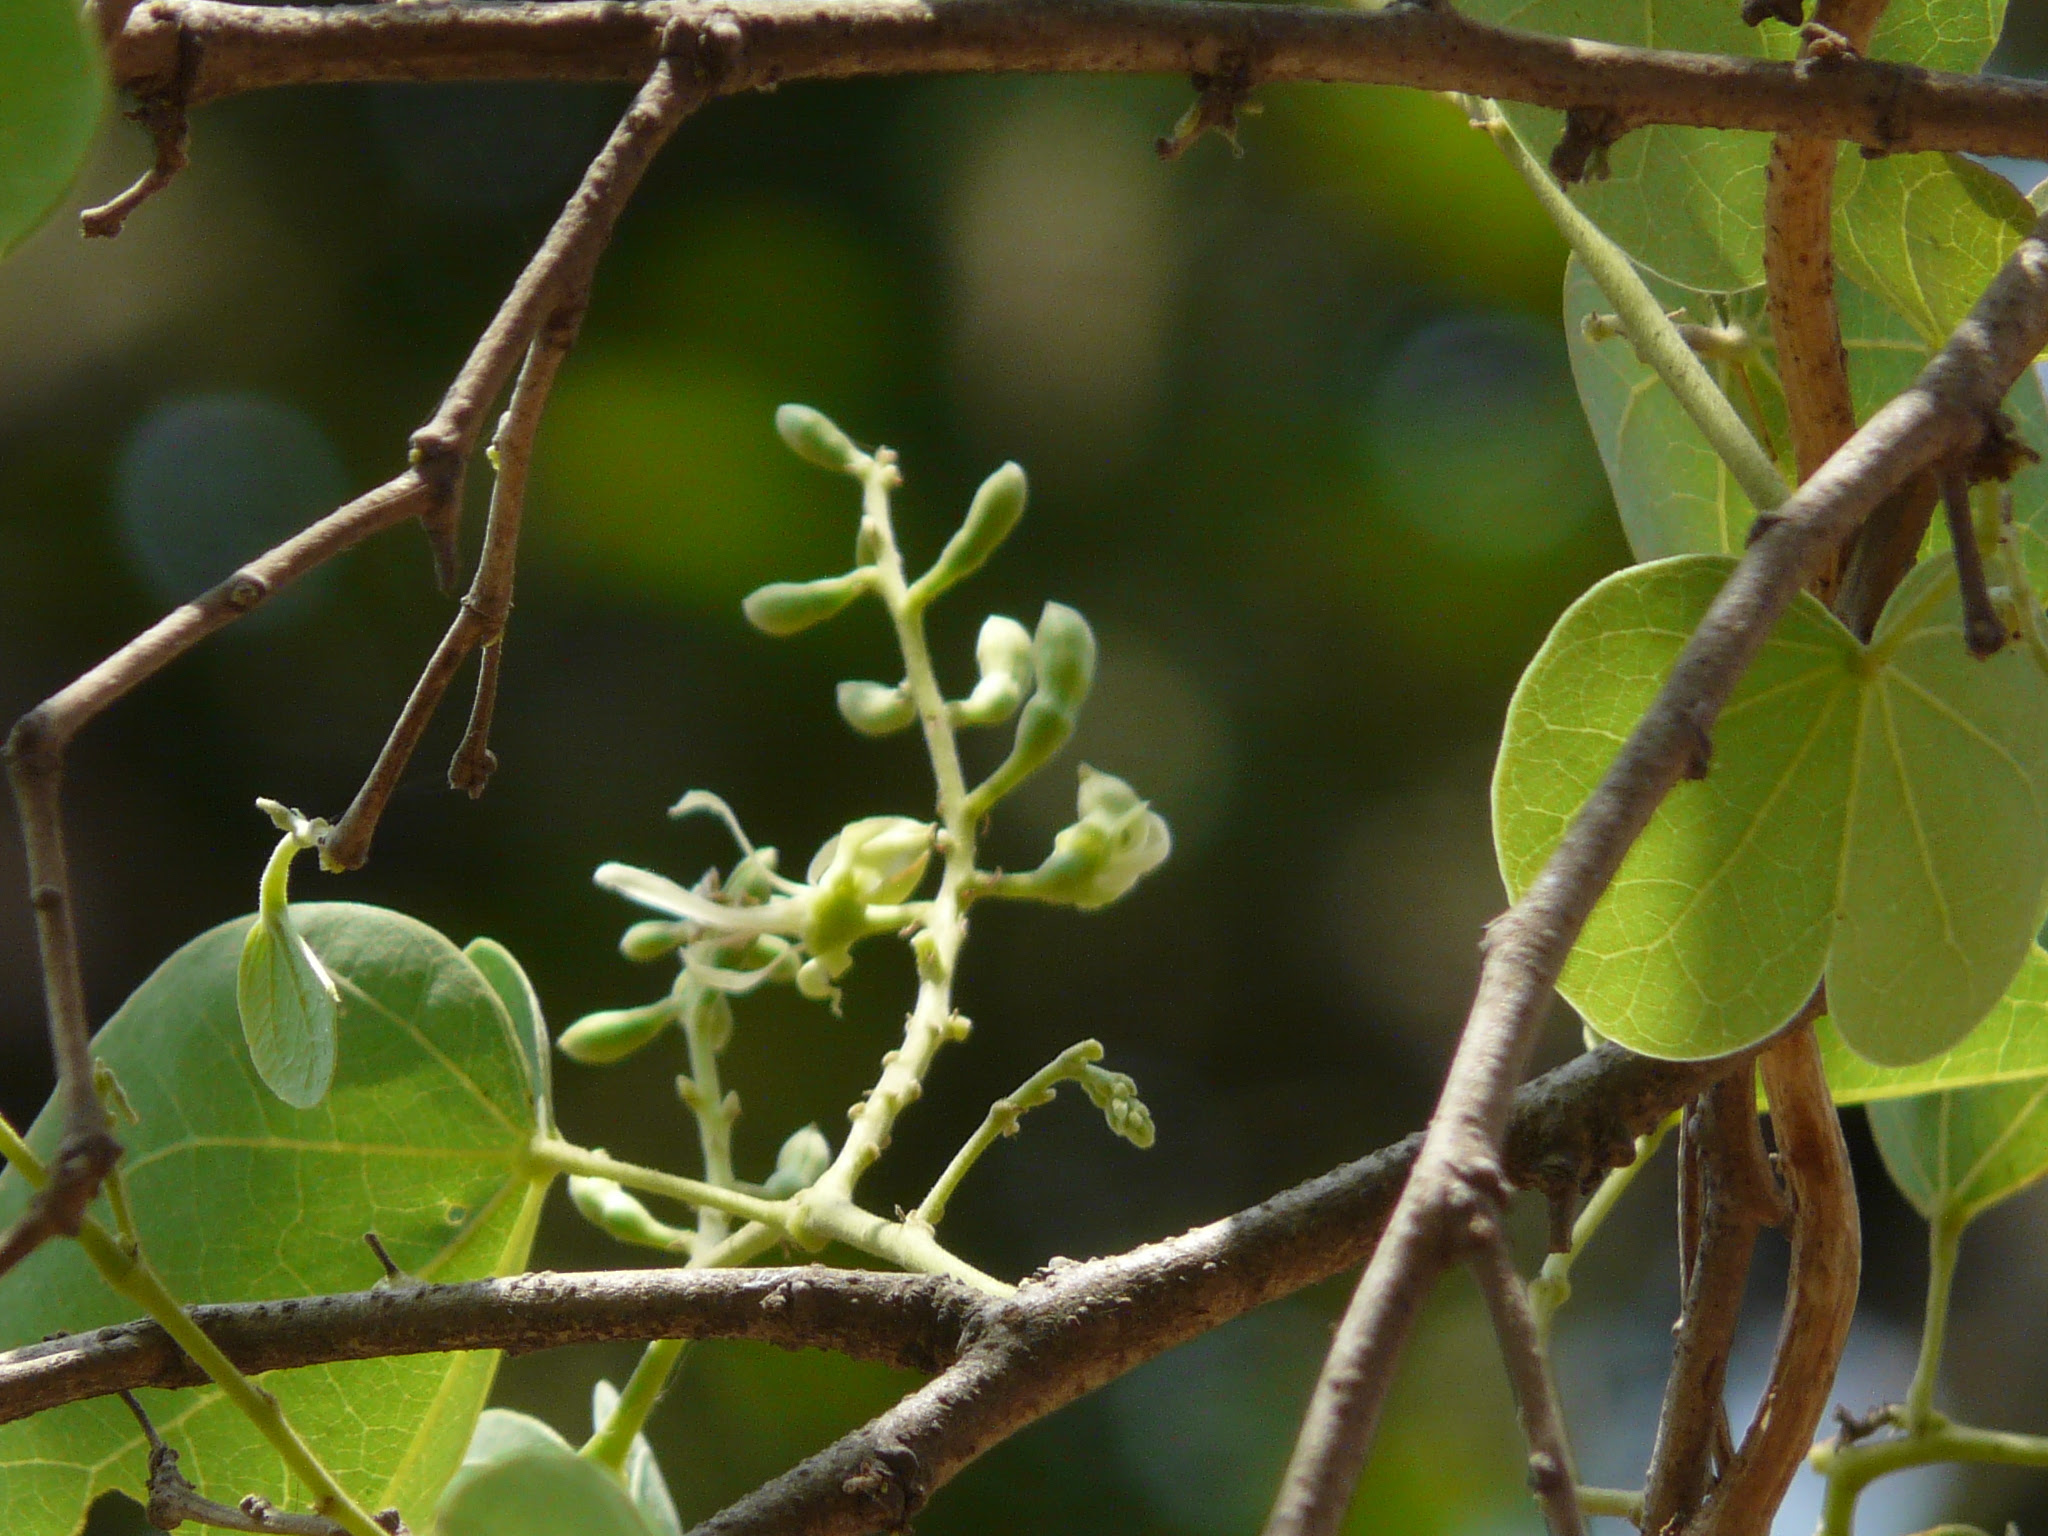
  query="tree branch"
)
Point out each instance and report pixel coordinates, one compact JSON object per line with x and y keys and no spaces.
{"x":1951,"y":408}
{"x":1570,"y":1127}
{"x":1886,"y":107}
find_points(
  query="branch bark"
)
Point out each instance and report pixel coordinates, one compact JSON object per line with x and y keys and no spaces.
{"x":1570,"y":1127}
{"x":1950,"y":409}
{"x":1889,"y":108}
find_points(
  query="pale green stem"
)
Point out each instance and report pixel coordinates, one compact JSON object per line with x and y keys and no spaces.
{"x":930,"y":1023}
{"x":1552,"y":1287}
{"x":1944,"y":1239}
{"x":613,"y":1442}
{"x":1850,"y":1469}
{"x":566,"y":1157}
{"x":1656,"y":338}
{"x":1001,"y":1121}
{"x":1621,"y":1503}
{"x":18,"y":1156}
{"x":714,"y":1124}
{"x":116,"y":1189}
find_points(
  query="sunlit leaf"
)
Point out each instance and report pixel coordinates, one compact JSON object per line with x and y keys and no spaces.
{"x":422,"y":1139}
{"x":1954,"y":1154}
{"x":289,"y":1007}
{"x":645,"y":1485}
{"x":1871,"y":814}
{"x":520,"y":1478}
{"x":1688,"y":202}
{"x":52,"y":91}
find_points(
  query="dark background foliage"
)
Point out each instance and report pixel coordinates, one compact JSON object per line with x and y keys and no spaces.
{"x":1304,"y":447}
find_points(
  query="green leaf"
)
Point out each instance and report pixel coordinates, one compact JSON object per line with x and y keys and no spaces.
{"x":238,"y":1197}
{"x":520,"y":1478}
{"x":1957,"y":1153}
{"x":1871,"y":815}
{"x":509,"y":981}
{"x":289,"y":1006}
{"x":645,"y":1485}
{"x":2009,"y":1046}
{"x":1674,"y":494}
{"x":52,"y":92}
{"x":1687,"y":202}
{"x":1925,"y":232}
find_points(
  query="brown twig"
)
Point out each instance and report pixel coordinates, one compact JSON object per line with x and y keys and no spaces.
{"x":171,"y":135}
{"x":541,"y":315}
{"x":1949,"y":409}
{"x":1820,"y":1297}
{"x":1884,"y":106}
{"x":172,"y":1500}
{"x":1799,"y":268}
{"x":1551,"y":1476}
{"x":1570,"y":1126}
{"x":1983,"y":631}
{"x":1737,"y":1197}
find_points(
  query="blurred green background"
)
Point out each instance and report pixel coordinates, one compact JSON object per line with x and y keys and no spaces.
{"x":1304,"y":447}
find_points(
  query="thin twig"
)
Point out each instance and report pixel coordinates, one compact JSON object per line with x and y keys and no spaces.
{"x":1983,"y":631}
{"x":171,"y":137}
{"x":1551,"y":1475}
{"x":1885,"y":107}
{"x":1737,"y":1196}
{"x":1950,"y":408}
{"x":1820,"y":1294}
{"x":540,"y":316}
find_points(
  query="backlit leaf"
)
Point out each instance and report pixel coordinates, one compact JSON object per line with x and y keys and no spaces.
{"x":1688,"y":202}
{"x":509,"y":981}
{"x":52,"y":92}
{"x":239,"y":1197}
{"x":2010,"y":1045}
{"x":1871,"y":814}
{"x":289,"y":1006}
{"x":1954,"y":1154}
{"x":520,"y":1478}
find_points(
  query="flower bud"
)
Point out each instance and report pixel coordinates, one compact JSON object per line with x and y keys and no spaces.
{"x":1064,"y":653}
{"x":598,"y":1039}
{"x":610,"y":1209}
{"x":707,"y":1015}
{"x":652,"y":939}
{"x":813,"y":437}
{"x":1118,"y":840}
{"x":1003,"y":652}
{"x":875,"y":709}
{"x":800,"y":1164}
{"x":1116,"y":1095}
{"x":993,"y":513}
{"x":815,"y":982}
{"x":790,"y":607}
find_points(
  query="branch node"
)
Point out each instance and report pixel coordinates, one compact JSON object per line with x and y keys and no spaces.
{"x":892,"y":1480}
{"x":162,"y":114}
{"x":1589,"y":132}
{"x":1824,"y":47}
{"x":2001,"y":453}
{"x":1221,"y":97}
{"x":1756,"y":12}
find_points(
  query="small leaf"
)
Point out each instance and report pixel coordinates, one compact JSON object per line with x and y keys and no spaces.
{"x":520,"y":1478}
{"x":1955,"y":1154}
{"x":509,"y":981}
{"x":423,"y":1139}
{"x":52,"y":93}
{"x":645,"y":1485}
{"x":1871,"y":814}
{"x":289,"y":1005}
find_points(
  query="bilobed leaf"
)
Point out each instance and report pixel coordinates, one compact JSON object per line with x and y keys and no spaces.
{"x":289,"y":1006}
{"x":520,"y":1478}
{"x":1687,"y":202}
{"x":645,"y":1485}
{"x":2010,"y":1045}
{"x":422,"y":1139}
{"x":1871,"y":814}
{"x":52,"y":92}
{"x":1956,"y":1153}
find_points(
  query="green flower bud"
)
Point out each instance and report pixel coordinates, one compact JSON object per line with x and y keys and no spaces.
{"x":1118,"y":840}
{"x":1003,"y":652}
{"x":1064,"y":651}
{"x":1116,"y":1095}
{"x":875,"y":709}
{"x":800,"y":1164}
{"x":994,"y":512}
{"x":813,"y":437}
{"x":1104,"y":794}
{"x":790,"y":607}
{"x":610,"y":1209}
{"x":652,"y":939}
{"x":707,"y":1014}
{"x":598,"y":1039}
{"x":815,"y":982}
